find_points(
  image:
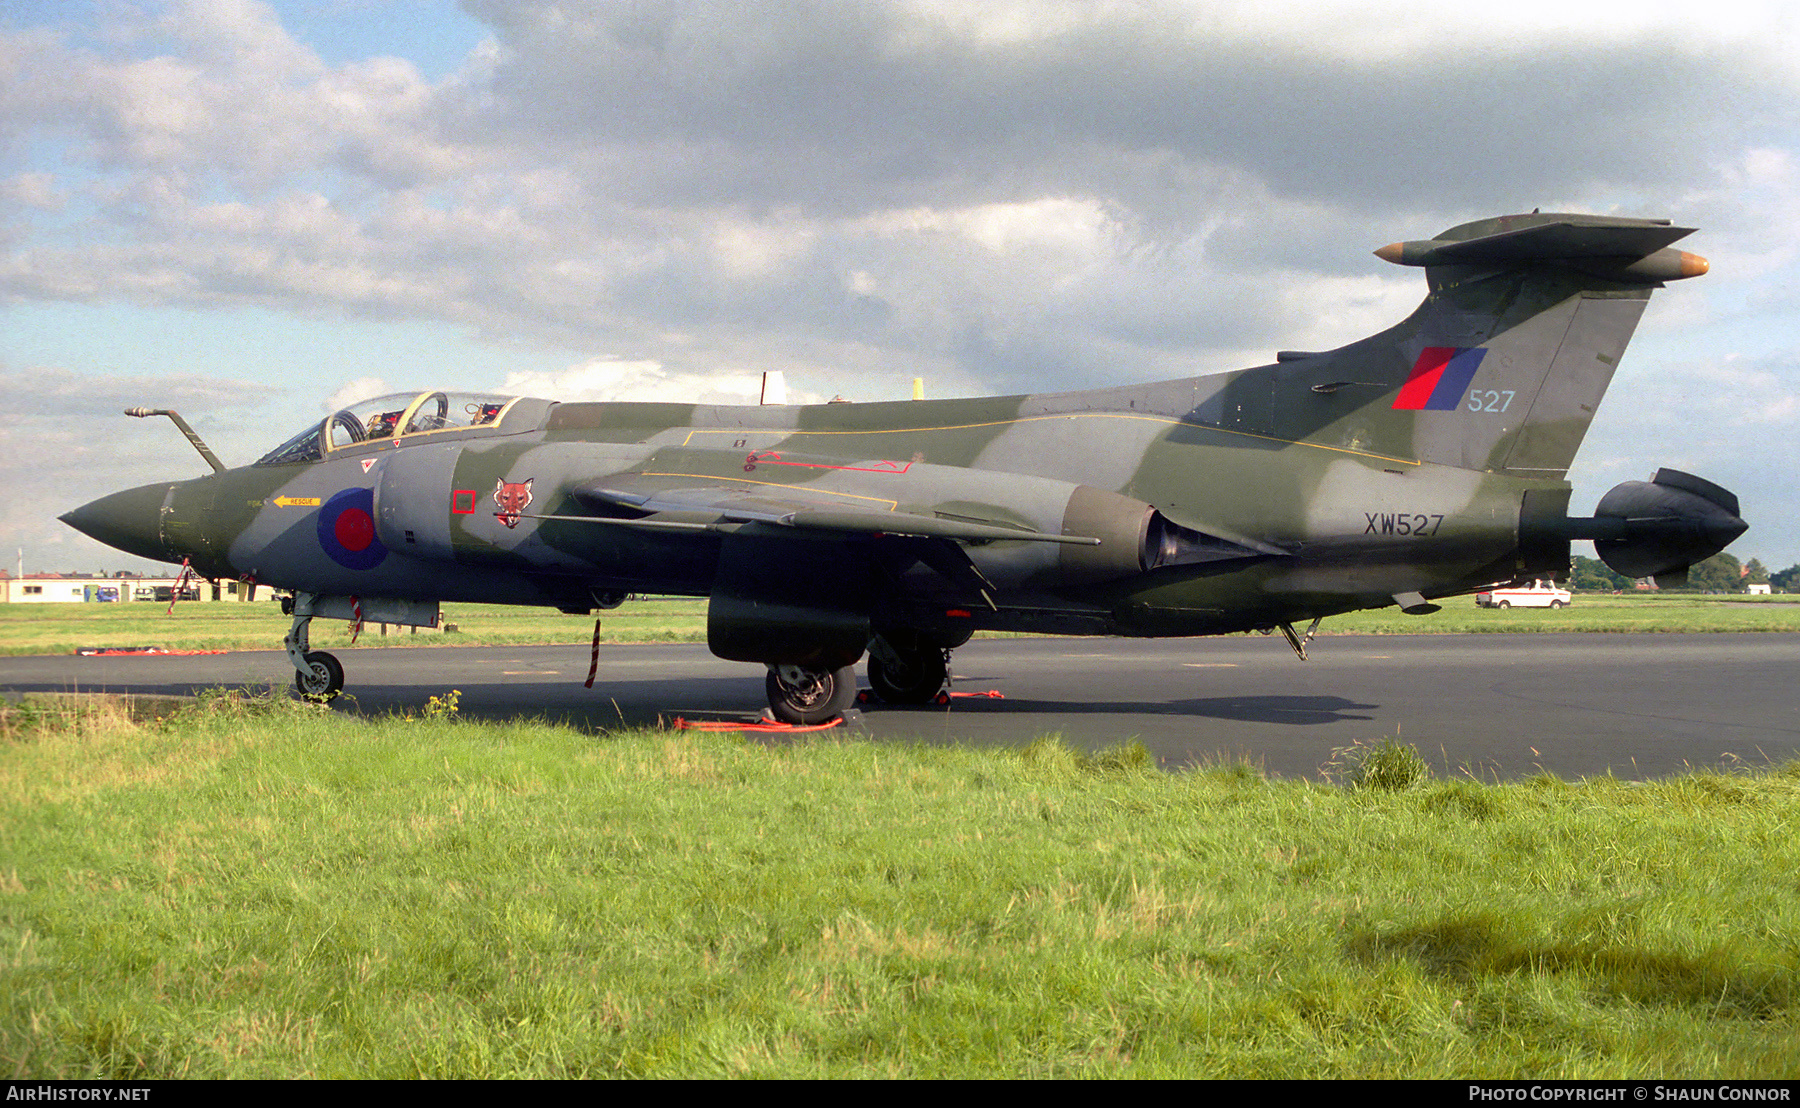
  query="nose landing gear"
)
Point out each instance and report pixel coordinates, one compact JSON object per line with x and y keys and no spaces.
{"x":317,"y":675}
{"x":322,"y":679}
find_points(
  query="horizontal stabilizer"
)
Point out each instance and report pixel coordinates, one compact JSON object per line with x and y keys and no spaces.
{"x":1629,"y":249}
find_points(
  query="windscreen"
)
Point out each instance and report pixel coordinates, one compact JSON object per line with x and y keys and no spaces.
{"x":400,"y":415}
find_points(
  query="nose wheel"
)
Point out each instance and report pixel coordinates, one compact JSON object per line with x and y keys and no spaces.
{"x":317,"y":675}
{"x":322,"y":679}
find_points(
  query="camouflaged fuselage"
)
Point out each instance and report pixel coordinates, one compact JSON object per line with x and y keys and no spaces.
{"x":1345,"y":527}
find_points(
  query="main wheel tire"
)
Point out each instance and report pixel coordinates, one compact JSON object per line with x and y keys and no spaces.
{"x":817,"y":698}
{"x":322,"y":679}
{"x":920,"y":677}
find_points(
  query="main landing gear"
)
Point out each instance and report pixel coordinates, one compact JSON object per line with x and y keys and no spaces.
{"x":905,"y":669}
{"x":913,"y":675}
{"x":317,"y":675}
{"x":807,"y":696}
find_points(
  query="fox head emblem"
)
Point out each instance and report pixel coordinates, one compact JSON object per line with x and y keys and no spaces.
{"x":512,"y":498}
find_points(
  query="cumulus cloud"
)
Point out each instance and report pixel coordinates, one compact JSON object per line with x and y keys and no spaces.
{"x":1724,"y":418}
{"x":354,"y":392}
{"x":68,"y":441}
{"x":59,"y":393}
{"x":822,"y":180}
{"x":607,"y":380}
{"x":884,"y":104}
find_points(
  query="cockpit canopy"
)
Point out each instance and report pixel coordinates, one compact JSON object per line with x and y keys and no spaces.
{"x":398,"y":416}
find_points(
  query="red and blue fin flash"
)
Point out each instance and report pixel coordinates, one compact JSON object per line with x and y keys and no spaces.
{"x":1440,"y":378}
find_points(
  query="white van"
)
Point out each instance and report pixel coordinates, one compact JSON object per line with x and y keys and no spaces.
{"x":1539,"y":594}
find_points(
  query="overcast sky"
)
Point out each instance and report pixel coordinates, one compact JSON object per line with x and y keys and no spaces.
{"x":246,"y":210}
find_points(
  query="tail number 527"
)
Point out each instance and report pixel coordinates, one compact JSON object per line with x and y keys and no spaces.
{"x":1490,"y":400}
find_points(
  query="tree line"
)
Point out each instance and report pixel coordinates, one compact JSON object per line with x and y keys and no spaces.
{"x":1719,"y":573}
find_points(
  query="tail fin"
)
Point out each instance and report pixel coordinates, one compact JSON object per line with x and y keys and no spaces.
{"x":1503,"y":366}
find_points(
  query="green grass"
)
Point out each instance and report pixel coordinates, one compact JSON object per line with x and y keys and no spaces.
{"x":63,"y":628}
{"x":259,"y":889}
{"x":1667,"y":612}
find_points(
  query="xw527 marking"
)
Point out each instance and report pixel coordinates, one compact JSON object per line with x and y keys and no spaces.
{"x":1417,"y":526}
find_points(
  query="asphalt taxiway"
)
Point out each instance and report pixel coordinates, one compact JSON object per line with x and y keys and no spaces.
{"x":1498,"y":706}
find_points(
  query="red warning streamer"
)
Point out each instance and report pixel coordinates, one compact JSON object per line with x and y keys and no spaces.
{"x":594,"y":660}
{"x":680,"y":724}
{"x":187,"y":573}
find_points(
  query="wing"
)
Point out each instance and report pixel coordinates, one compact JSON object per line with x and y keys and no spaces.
{"x":710,"y":505}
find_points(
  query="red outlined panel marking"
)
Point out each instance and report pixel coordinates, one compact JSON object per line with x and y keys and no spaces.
{"x":462,"y":501}
{"x":774,"y":458}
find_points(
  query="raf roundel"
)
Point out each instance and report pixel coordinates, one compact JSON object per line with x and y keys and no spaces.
{"x":347,"y":530}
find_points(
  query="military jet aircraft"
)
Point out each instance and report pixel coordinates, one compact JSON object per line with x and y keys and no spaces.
{"x":1425,"y":461}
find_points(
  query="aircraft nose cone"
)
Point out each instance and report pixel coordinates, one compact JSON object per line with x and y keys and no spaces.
{"x":130,"y":521}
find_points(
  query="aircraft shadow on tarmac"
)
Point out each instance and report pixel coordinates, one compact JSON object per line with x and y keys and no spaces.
{"x":1305,"y":710}
{"x":648,"y":703}
{"x":653,"y":702}
{"x":610,"y":705}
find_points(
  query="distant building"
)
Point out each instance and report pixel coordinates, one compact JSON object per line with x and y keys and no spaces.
{"x":45,"y":588}
{"x":77,"y":588}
